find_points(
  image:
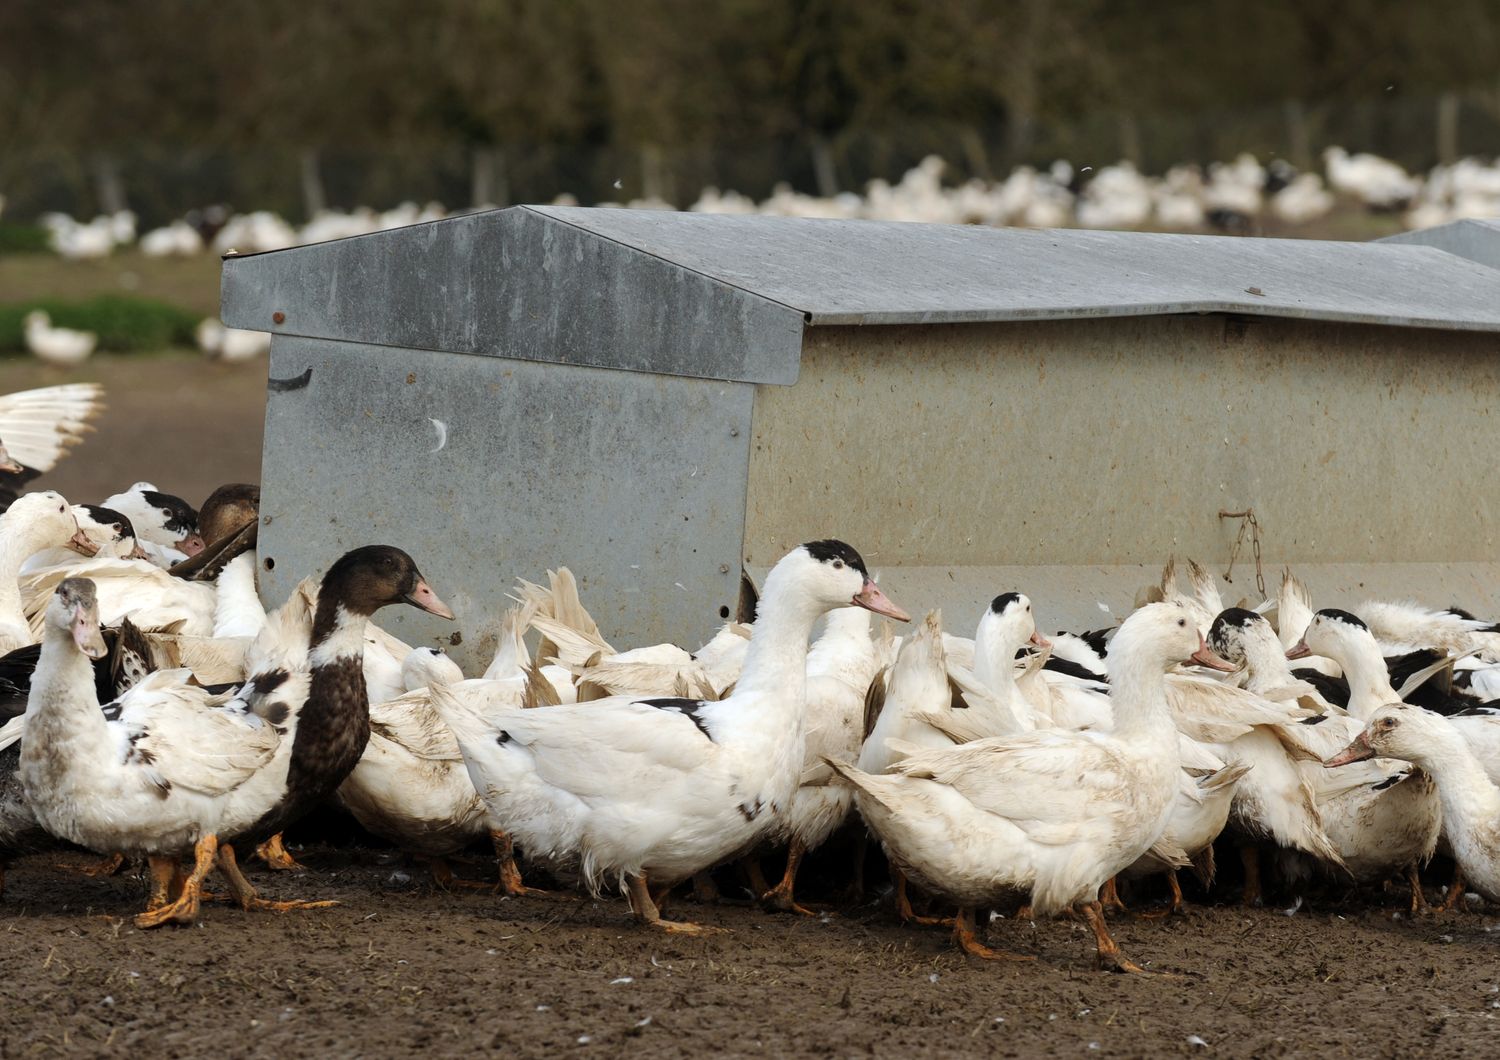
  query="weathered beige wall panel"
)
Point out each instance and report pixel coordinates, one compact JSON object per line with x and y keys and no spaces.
{"x":1116,"y":442}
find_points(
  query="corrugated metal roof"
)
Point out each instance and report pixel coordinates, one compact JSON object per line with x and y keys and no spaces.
{"x":1477,"y":239}
{"x":874,"y":272}
{"x":729,"y":297}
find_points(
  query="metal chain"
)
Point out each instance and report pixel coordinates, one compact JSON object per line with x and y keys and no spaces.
{"x":1247,"y":521}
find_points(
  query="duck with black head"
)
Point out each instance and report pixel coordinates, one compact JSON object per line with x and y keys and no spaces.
{"x":321,"y":708}
{"x":658,"y":789}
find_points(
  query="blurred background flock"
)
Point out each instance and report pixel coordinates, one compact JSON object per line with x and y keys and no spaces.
{"x":139,"y":141}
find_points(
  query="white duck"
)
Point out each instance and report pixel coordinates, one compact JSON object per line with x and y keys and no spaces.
{"x":65,"y":347}
{"x":148,"y":776}
{"x":842,"y":663}
{"x":660,"y":789}
{"x":1056,"y":813}
{"x":35,"y":522}
{"x":166,"y":525}
{"x":1470,"y":800}
{"x":1383,"y":820}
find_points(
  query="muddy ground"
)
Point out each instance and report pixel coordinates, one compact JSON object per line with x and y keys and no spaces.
{"x":403,"y":968}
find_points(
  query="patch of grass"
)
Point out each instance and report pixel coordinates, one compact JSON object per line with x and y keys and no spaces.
{"x":23,"y":239}
{"x":124,"y":323}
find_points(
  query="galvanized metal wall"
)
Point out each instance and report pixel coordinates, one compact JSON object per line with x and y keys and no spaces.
{"x":633,"y":480}
{"x":1071,"y":458}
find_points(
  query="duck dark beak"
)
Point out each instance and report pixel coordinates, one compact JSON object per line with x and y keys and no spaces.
{"x":86,"y":633}
{"x":1204,"y":657}
{"x":423,"y":596}
{"x":872,"y":599}
{"x":191,"y":545}
{"x":1357,"y":751}
{"x":1300,"y":650}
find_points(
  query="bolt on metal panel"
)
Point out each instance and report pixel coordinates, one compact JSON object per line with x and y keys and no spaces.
{"x":487,"y":470}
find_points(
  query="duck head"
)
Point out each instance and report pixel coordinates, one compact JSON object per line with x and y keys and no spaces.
{"x":1008,"y":623}
{"x":834,"y":575}
{"x":1330,"y":633}
{"x":1246,"y":639}
{"x":425,"y":667}
{"x":49,"y":522}
{"x":160,"y":518}
{"x":111,"y":531}
{"x":1399,"y":730}
{"x":367,"y":579}
{"x":74,"y":610}
{"x":1165,"y":634}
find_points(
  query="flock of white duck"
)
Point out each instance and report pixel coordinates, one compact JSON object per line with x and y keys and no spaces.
{"x":159,"y":712}
{"x":1227,"y":195}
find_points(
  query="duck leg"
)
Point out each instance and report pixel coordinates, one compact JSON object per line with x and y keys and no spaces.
{"x":1109,"y":959}
{"x":646,"y":912}
{"x":275,"y":855}
{"x":1177,"y":905}
{"x":904,"y":909}
{"x":705,"y":890}
{"x":1414,"y":882}
{"x":967,"y":937}
{"x":1109,"y":896}
{"x":243,"y":893}
{"x":750,"y":866}
{"x":442,"y":875}
{"x":164,"y":878}
{"x":1455,"y":892}
{"x":185,"y":909}
{"x":1250,"y":859}
{"x":779,"y":898}
{"x":105,"y":867}
{"x":510,"y":883}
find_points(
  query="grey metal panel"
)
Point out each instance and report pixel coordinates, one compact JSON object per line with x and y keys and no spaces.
{"x":512,"y":283}
{"x":1475,"y":239}
{"x":634,"y":481}
{"x":1083,"y":598}
{"x":869,"y":272}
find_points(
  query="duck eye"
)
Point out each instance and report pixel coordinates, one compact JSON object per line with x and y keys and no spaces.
{"x":1182,"y":621}
{"x":838,"y":564}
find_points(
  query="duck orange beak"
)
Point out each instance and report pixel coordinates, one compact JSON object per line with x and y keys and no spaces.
{"x":1357,"y":751}
{"x":872,"y":599}
{"x":423,"y":597}
{"x":1300,"y":650}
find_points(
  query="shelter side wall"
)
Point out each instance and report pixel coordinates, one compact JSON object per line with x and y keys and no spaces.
{"x":488,"y":470}
{"x":1118,"y":442}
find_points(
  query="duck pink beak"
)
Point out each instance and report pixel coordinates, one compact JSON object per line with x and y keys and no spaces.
{"x":1040,"y":641}
{"x":85,"y":629}
{"x":1300,"y":650}
{"x":1357,"y":751}
{"x":1204,"y":657}
{"x":191,"y":545}
{"x":9,"y":463}
{"x":872,"y":599}
{"x":80,"y":542}
{"x":423,"y":596}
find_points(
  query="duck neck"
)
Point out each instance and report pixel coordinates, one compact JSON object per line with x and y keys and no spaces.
{"x":1369,"y":680}
{"x":17,"y":544}
{"x":1138,"y":693}
{"x":64,"y":725}
{"x":333,"y":725}
{"x":1267,"y":667}
{"x":776,"y":659}
{"x":995,"y":665}
{"x":1470,"y":799}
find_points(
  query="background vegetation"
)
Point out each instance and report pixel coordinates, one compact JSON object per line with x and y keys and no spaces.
{"x":285,"y":104}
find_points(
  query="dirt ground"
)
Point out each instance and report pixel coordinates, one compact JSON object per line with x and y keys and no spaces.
{"x":175,"y":419}
{"x":402,"y":968}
